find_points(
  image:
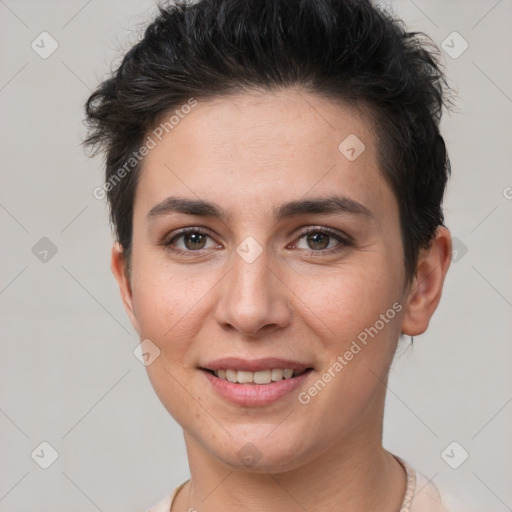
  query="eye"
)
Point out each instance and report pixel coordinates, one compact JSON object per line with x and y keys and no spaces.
{"x":188,"y":241}
{"x":321,"y":240}
{"x":318,"y":241}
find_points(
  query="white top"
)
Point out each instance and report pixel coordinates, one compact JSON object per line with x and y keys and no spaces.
{"x":421,"y":495}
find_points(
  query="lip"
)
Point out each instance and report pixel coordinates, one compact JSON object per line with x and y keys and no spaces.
{"x":254,"y":395}
{"x":255,"y":365}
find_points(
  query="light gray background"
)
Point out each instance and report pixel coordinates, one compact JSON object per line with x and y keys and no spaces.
{"x":68,"y":375}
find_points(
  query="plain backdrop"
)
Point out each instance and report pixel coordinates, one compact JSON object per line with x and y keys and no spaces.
{"x":68,"y":375}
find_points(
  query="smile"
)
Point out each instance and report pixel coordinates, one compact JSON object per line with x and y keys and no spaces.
{"x":255,"y":383}
{"x":260,"y":377}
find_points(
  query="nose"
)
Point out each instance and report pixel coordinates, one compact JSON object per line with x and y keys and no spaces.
{"x":253,"y":298}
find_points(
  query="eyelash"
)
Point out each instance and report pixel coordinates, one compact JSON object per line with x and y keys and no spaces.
{"x":343,"y":241}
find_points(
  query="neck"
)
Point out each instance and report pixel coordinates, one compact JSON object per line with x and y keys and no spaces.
{"x":353,"y":476}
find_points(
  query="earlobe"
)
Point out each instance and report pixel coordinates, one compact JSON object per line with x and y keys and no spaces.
{"x":427,"y":286}
{"x":117,"y":265}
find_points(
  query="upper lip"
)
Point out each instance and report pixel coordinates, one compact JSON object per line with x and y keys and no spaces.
{"x":254,"y":365}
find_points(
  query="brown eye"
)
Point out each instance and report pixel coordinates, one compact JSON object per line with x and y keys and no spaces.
{"x":318,"y":241}
{"x":188,"y":241}
{"x":194,"y":241}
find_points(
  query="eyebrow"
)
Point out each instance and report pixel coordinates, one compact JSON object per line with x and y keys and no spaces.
{"x":312,"y":206}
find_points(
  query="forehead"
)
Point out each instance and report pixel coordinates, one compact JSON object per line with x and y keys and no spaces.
{"x":255,"y":150}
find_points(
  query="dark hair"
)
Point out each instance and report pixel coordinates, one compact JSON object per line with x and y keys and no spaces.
{"x":344,"y":50}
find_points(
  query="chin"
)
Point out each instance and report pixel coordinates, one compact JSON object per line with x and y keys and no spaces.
{"x":262,"y":453}
{"x":260,"y":462}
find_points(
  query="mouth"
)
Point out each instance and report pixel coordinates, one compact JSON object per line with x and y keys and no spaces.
{"x":260,"y":377}
{"x":255,"y":383}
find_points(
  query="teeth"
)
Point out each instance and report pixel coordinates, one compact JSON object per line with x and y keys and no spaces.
{"x":288,"y":374}
{"x":231,"y":375}
{"x":277,"y":374}
{"x":261,"y":377}
{"x":245,"y":377}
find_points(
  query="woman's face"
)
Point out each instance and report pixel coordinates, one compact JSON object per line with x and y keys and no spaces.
{"x":282,"y":279}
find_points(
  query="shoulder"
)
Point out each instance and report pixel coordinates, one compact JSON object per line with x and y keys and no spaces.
{"x":423,"y":495}
{"x":431,"y":498}
{"x":164,"y":505}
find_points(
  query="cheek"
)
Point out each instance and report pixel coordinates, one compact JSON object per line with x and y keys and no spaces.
{"x":166,"y":310}
{"x":161,"y":294}
{"x":169,"y":304}
{"x":358,"y":317}
{"x":350,"y":299}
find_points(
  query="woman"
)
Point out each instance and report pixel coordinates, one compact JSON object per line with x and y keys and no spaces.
{"x":275,"y":176}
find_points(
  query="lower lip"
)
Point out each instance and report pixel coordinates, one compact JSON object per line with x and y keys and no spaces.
{"x":254,"y":395}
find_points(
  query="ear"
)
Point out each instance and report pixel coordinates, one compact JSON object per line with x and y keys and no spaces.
{"x":427,"y":286}
{"x":117,"y":265}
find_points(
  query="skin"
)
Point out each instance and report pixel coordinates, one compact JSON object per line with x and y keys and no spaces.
{"x":250,"y":153}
